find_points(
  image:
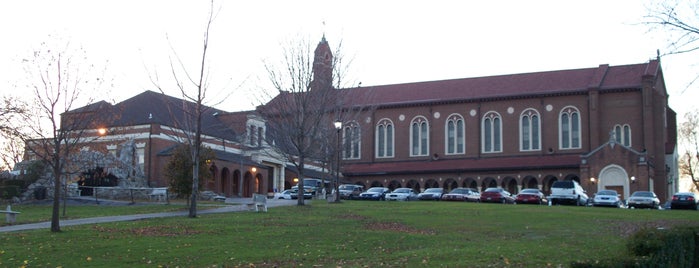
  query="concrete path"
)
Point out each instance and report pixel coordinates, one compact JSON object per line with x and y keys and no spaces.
{"x":235,"y":205}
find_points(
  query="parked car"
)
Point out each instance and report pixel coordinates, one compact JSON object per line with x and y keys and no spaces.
{"x":607,"y":198}
{"x":686,"y":200}
{"x":497,"y":195}
{"x":350,"y":191}
{"x":643,"y":199}
{"x":375,"y":193}
{"x":307,"y":193}
{"x":568,"y":192}
{"x":531,"y":196}
{"x":431,"y":194}
{"x":286,"y":194}
{"x":402,"y":194}
{"x":462,"y":194}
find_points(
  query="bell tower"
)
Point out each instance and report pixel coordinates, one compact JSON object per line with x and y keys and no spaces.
{"x":322,"y":66}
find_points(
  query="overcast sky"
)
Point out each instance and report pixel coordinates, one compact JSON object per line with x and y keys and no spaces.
{"x":389,"y":41}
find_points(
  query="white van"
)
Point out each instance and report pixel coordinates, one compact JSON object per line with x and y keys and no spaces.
{"x":568,"y":192}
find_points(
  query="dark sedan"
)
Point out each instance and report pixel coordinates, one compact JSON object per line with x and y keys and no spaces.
{"x":531,"y":196}
{"x":684,"y":200}
{"x":497,"y":195}
{"x":375,"y":193}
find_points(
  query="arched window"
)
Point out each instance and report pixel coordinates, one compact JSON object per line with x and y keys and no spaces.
{"x":384,"y":138}
{"x":569,"y":128}
{"x":419,"y":136}
{"x":492,"y":133}
{"x":352,"y":139}
{"x":529,"y":131}
{"x":623,"y":134}
{"x":454,"y":134}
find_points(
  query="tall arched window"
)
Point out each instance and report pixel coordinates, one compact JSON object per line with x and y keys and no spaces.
{"x":419,"y":136}
{"x":569,"y":130}
{"x":529,"y":131}
{"x":623,"y":134}
{"x":454,"y":134}
{"x":352,"y":139}
{"x":492,"y":133}
{"x":384,"y":138}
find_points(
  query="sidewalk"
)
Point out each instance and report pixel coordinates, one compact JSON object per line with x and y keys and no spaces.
{"x":236,"y":205}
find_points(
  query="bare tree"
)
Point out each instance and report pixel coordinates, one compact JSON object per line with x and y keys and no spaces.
{"x":678,"y":19}
{"x":11,"y":111}
{"x":59,"y":79}
{"x":191,"y":120}
{"x":689,"y":138}
{"x":300,"y":118}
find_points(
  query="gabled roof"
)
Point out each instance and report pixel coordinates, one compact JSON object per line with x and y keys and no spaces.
{"x":574,"y":81}
{"x":156,"y":108}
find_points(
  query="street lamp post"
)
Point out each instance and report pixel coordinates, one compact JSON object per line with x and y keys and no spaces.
{"x":338,"y":127}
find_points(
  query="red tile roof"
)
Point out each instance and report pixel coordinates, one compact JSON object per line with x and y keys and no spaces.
{"x":527,"y":84}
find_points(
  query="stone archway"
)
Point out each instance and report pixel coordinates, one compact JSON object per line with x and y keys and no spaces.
{"x":431,"y":183}
{"x":225,"y":184}
{"x":614,"y":177}
{"x":248,"y":185}
{"x":450,"y":184}
{"x":211,"y":184}
{"x":259,"y":185}
{"x":236,"y":183}
{"x":470,"y":183}
{"x":376,"y":184}
{"x":510,"y":185}
{"x":530,"y":182}
{"x":413,"y":184}
{"x":488,"y":182}
{"x":547,"y":182}
{"x":394,"y":184}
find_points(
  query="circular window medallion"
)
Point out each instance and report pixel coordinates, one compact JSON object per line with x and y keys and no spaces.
{"x":472,"y":112}
{"x":401,"y":117}
{"x":549,"y":107}
{"x":368,"y":120}
{"x":437,"y":115}
{"x":510,"y":110}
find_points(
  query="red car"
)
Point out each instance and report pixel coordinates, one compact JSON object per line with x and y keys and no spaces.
{"x":497,"y":195}
{"x":531,"y":196}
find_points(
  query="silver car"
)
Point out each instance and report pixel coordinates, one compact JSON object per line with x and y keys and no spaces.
{"x":607,"y":198}
{"x":643,"y":199}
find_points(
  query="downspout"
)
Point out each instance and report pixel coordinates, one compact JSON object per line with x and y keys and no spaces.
{"x":150,"y":154}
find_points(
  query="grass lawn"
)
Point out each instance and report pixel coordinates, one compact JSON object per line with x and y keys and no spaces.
{"x":350,"y":234}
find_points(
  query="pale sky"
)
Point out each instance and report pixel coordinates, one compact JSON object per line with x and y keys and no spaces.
{"x":388,"y":41}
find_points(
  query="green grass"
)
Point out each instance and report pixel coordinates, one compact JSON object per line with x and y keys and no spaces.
{"x":350,"y":234}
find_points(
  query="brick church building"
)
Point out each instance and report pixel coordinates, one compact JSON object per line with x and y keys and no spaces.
{"x":607,"y":127}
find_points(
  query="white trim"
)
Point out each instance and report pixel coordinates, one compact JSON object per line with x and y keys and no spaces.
{"x":621,"y":178}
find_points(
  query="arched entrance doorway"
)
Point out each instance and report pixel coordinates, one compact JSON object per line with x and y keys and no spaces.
{"x":614,"y":177}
